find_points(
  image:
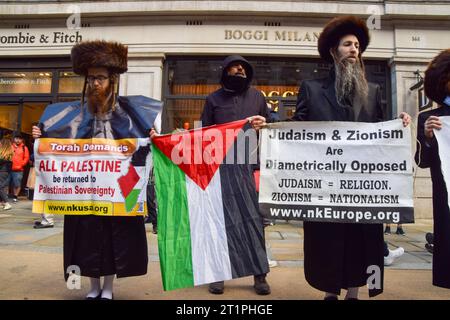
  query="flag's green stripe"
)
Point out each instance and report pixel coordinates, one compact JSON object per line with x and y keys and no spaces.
{"x":174,"y":238}
{"x":131,"y":200}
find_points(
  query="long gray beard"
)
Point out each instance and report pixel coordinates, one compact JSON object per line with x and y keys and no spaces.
{"x":351,"y":84}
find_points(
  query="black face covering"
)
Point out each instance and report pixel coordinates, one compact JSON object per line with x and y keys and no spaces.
{"x":235,"y":83}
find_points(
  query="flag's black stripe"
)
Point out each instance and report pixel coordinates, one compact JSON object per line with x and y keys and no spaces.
{"x":243,"y":221}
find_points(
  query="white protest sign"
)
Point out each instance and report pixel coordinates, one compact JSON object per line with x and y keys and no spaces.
{"x":337,"y":172}
{"x":443,"y":139}
{"x":91,"y":176}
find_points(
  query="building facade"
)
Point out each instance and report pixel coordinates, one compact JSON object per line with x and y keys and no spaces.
{"x":176,"y":49}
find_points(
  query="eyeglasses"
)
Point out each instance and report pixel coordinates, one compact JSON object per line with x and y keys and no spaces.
{"x":100,"y":79}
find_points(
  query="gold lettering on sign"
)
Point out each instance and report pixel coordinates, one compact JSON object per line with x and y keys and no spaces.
{"x":282,"y":35}
{"x":288,"y":94}
{"x":276,"y":93}
{"x":246,"y":35}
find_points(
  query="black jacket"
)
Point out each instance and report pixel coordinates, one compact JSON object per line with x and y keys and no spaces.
{"x":337,"y":254}
{"x":317,"y":102}
{"x":5,"y":165}
{"x":427,"y":156}
{"x":239,"y":192}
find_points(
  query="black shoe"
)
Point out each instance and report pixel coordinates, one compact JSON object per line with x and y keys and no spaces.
{"x":400,"y":231}
{"x":429,"y":237}
{"x":155,"y":230}
{"x":95,"y":298}
{"x":261,"y":286}
{"x":387,"y":230}
{"x":331,"y":298}
{"x":429,"y":247}
{"x":42,"y":226}
{"x":216,"y":287}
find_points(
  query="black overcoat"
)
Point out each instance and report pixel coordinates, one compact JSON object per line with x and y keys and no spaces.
{"x":239,"y":193}
{"x":427,"y":156}
{"x":336,"y":255}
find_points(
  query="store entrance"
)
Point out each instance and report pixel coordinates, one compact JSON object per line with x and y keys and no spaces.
{"x":18,"y":116}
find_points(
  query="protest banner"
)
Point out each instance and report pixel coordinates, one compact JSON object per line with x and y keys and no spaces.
{"x":97,"y":176}
{"x":443,"y":139}
{"x":337,"y":172}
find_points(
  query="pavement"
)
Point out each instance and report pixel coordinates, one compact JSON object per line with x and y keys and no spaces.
{"x":31,"y":266}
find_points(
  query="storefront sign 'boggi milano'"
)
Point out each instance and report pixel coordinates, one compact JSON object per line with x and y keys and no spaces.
{"x":272,"y":35}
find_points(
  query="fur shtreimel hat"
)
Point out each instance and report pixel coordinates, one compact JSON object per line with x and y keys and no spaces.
{"x":437,"y":77}
{"x":97,"y":54}
{"x":339,"y":27}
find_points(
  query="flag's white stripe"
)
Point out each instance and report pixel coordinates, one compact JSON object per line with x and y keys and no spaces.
{"x":210,"y":259}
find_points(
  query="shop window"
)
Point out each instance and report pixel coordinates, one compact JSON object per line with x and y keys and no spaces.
{"x":191,"y":80}
{"x":70,"y":82}
{"x":32,"y":112}
{"x":8,"y":116}
{"x":25,"y":82}
{"x":180,"y":111}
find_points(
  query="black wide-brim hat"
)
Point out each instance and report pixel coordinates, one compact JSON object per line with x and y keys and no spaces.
{"x":98,"y":54}
{"x":339,"y":27}
{"x":437,"y":76}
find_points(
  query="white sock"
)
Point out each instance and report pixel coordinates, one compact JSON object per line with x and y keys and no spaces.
{"x":352,"y":293}
{"x":107,"y":290}
{"x":95,"y":288}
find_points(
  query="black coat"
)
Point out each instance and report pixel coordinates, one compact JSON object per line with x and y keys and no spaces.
{"x":223,"y":106}
{"x":427,"y":156}
{"x":5,"y":165}
{"x":103,"y":245}
{"x":337,"y":254}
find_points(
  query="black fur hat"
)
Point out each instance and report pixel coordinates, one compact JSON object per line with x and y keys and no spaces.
{"x":339,"y":27}
{"x":100,"y":53}
{"x":437,"y":77}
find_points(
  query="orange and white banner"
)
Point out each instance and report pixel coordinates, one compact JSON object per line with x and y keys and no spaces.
{"x":91,"y":176}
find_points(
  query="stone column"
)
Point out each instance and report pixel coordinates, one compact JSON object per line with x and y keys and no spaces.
{"x":144,"y":75}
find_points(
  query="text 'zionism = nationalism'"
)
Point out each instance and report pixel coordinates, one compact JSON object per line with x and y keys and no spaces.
{"x":336,"y":198}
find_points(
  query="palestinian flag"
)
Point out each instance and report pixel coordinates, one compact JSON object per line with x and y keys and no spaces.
{"x":209,"y":226}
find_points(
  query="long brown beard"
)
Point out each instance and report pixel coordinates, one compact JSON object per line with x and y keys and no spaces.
{"x":351,"y":84}
{"x":99,"y":100}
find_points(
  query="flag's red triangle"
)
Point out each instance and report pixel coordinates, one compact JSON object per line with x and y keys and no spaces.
{"x":199,"y":152}
{"x":128,"y":181}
